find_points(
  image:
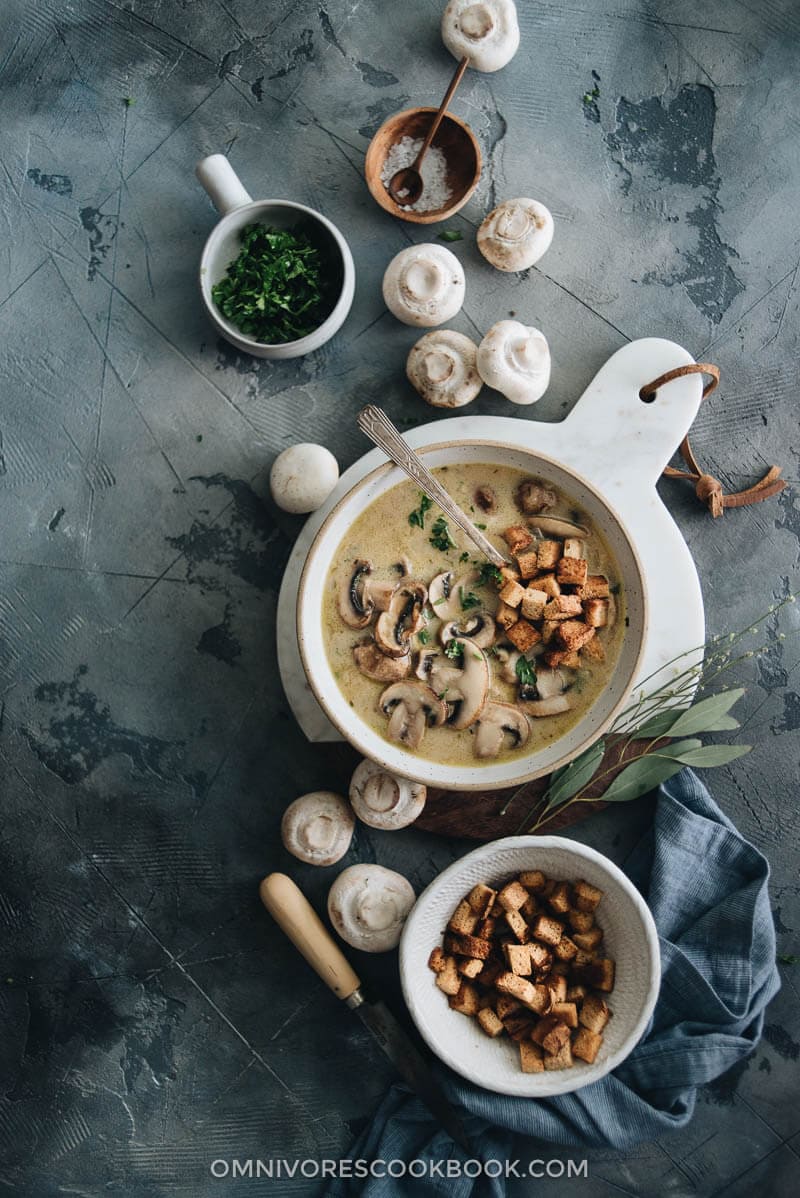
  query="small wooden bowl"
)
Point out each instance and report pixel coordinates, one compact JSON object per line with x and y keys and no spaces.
{"x":456,"y":141}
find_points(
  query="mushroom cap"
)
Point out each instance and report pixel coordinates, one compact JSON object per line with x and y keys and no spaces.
{"x":411,"y":706}
{"x":368,"y":905}
{"x":383,"y":800}
{"x":516,"y":234}
{"x":444,"y":593}
{"x":515,"y":360}
{"x":486,"y":32}
{"x":379,"y":666}
{"x":441,"y":367}
{"x":402,"y":619}
{"x":473,"y":683}
{"x":317,"y":828}
{"x":302,"y":477}
{"x":424,"y":285}
{"x":498,"y":720}
{"x":478,"y":627}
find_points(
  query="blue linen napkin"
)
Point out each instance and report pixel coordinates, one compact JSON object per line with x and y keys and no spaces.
{"x":707,"y":890}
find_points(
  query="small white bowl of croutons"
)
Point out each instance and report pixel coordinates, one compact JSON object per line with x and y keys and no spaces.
{"x":531,"y":966}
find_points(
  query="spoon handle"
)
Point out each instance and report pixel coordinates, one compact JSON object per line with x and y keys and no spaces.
{"x":373,"y":421}
{"x":437,"y":120}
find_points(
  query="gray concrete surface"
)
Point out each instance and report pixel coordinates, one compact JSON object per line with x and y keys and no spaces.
{"x":152,"y":1018}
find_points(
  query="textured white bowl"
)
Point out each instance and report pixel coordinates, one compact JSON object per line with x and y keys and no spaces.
{"x":630,"y":938}
{"x":512,"y":771}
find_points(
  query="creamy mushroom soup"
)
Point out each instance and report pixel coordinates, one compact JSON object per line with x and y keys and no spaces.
{"x":453,"y":659}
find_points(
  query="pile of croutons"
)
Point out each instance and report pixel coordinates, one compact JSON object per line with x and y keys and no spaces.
{"x":550,"y":596}
{"x":527,"y":960}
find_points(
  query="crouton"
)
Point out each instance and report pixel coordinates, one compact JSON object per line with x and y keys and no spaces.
{"x":586,"y":1045}
{"x":541,"y":1000}
{"x":549,"y":887}
{"x":506,"y":1005}
{"x":540,"y":957}
{"x":530,"y":907}
{"x":531,"y":1057}
{"x":572,"y":571}
{"x":557,"y":984}
{"x":586,"y":897}
{"x":512,"y":593}
{"x":437,"y":960}
{"x":533,"y":879}
{"x":595,"y":612}
{"x":547,"y":930}
{"x":568,"y":658}
{"x":566,"y":949}
{"x":593,"y":650}
{"x":551,"y":1033}
{"x":481,"y":899}
{"x":594,"y":1013}
{"x":523,"y":636}
{"x":490,"y":1023}
{"x":505,"y":615}
{"x":580,"y":921}
{"x":518,"y":926}
{"x":490,"y":972}
{"x":567,"y":1012}
{"x":559,"y":899}
{"x":601,"y":974}
{"x":468,"y":946}
{"x":509,"y":573}
{"x":574,"y":634}
{"x":588,"y":940}
{"x":576,"y":994}
{"x":470,"y":967}
{"x":466,"y":1001}
{"x":560,"y":967}
{"x":533,"y":603}
{"x":509,"y":983}
{"x":463,"y":920}
{"x":574,"y":547}
{"x":528,"y":562}
{"x":559,"y":1060}
{"x":519,"y":959}
{"x":549,"y":630}
{"x":549,"y":553}
{"x":595,"y":587}
{"x":512,"y":896}
{"x":582,"y":957}
{"x":447,"y":979}
{"x":517,"y":538}
{"x":519,"y":1027}
{"x":486,"y":928}
{"x":562,"y":607}
{"x":549,"y":584}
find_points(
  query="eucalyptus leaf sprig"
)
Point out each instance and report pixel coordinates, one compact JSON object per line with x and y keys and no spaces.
{"x":672,"y":711}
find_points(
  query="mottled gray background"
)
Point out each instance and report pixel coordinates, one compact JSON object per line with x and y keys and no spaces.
{"x":152,"y":1017}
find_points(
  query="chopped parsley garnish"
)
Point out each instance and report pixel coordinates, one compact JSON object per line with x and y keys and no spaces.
{"x":279,"y":288}
{"x":440,"y":535}
{"x":482,"y":527}
{"x":469,"y":600}
{"x":464,"y":556}
{"x":489,"y":573}
{"x":450,"y":235}
{"x":525,"y":671}
{"x":616,"y":588}
{"x":454,"y":650}
{"x":424,"y":636}
{"x":417,"y":518}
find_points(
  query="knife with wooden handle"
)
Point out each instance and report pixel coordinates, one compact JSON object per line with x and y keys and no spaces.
{"x":294,"y":914}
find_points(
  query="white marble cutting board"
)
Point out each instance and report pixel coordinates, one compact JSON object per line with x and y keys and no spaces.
{"x":616,"y":442}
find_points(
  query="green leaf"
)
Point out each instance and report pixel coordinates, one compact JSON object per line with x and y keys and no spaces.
{"x":567,"y":781}
{"x":647,"y":772}
{"x":706,"y":715}
{"x":788,"y":959}
{"x":454,"y":650}
{"x":450,"y":235}
{"x":525,"y":671}
{"x":440,"y":535}
{"x":417,"y":518}
{"x":658,"y":725}
{"x":708,"y":756}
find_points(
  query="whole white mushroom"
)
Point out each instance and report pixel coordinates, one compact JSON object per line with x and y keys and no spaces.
{"x":317,"y":828}
{"x":424,"y":285}
{"x":302,"y":477}
{"x":515,"y":360}
{"x":383,"y":800}
{"x":486,"y":33}
{"x":515,"y":234}
{"x":441,"y":367}
{"x":368,"y":905}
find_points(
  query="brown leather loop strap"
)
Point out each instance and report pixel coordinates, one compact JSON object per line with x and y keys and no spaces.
{"x":709,"y":489}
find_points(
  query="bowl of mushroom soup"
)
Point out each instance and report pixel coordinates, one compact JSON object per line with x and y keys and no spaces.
{"x":447,"y":671}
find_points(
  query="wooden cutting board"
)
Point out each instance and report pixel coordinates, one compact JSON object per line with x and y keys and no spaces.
{"x":476,"y":815}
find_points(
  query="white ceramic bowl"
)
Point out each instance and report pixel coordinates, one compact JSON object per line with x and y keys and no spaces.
{"x":237,"y":209}
{"x":630,"y":939}
{"x":498,"y":773}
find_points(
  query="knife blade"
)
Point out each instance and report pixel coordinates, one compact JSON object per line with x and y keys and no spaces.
{"x":294,"y":914}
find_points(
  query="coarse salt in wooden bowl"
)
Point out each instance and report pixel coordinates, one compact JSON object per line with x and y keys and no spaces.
{"x":458,"y":145}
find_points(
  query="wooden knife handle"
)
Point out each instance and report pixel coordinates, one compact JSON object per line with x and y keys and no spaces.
{"x":292,"y":911}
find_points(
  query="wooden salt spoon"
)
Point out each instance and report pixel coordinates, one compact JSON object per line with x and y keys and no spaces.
{"x":405,"y":185}
{"x":378,"y":427}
